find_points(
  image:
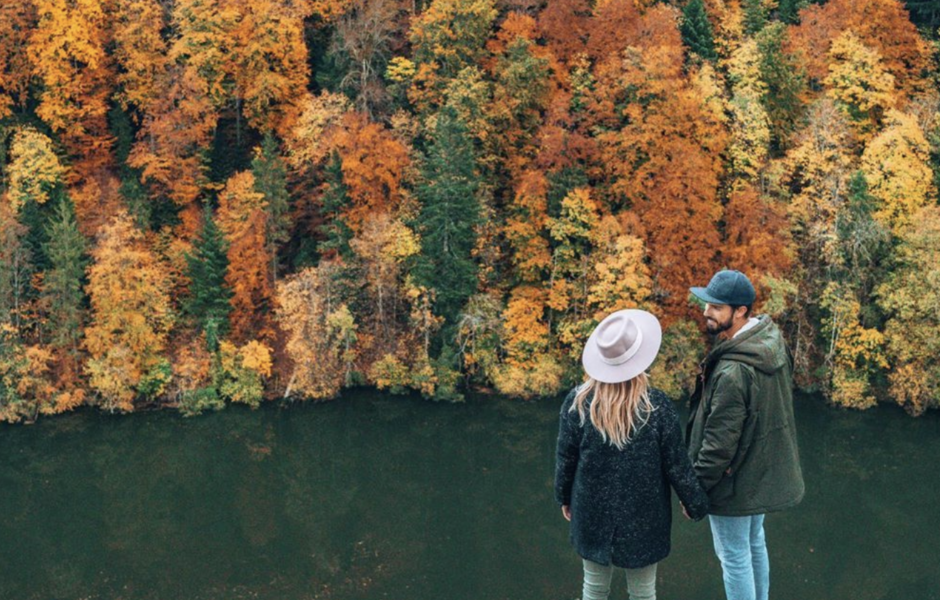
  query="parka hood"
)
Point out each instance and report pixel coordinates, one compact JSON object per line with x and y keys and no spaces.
{"x":761,"y":347}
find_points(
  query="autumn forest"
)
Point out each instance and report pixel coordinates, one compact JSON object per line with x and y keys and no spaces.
{"x":232,"y":201}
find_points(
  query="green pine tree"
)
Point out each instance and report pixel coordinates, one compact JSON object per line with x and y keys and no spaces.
{"x":755,"y":16}
{"x":36,"y":218}
{"x":788,"y":11}
{"x":271,"y":181}
{"x":785,"y":80}
{"x":334,"y":231}
{"x":697,"y":30}
{"x":448,"y":216}
{"x":63,"y":284}
{"x":863,"y":242}
{"x":926,"y":15}
{"x":208,"y":302}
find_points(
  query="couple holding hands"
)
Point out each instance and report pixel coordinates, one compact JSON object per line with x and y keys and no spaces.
{"x":620,"y":447}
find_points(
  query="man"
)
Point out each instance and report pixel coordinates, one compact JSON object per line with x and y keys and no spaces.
{"x":741,"y":432}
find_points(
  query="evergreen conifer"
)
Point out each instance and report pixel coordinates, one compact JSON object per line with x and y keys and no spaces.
{"x":449,"y":214}
{"x":697,"y":31}
{"x":208,"y":303}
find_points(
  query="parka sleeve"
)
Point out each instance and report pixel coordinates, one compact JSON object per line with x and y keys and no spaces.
{"x":676,"y":463}
{"x":722,"y":428}
{"x":567,"y":451}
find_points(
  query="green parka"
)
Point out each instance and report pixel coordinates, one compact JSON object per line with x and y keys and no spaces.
{"x":741,"y":431}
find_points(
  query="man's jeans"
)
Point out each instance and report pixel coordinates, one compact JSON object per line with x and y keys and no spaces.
{"x":742,"y":550}
{"x":641,"y":583}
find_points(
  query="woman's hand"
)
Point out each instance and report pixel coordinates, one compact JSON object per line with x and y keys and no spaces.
{"x":566,"y":512}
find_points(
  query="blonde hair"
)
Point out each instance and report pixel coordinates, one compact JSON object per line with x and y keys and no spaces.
{"x":619,"y":409}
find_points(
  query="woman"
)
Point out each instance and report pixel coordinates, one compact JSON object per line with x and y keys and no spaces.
{"x":619,"y":451}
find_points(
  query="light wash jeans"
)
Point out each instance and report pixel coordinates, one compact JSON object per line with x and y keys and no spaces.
{"x":641,"y":583}
{"x":742,"y":550}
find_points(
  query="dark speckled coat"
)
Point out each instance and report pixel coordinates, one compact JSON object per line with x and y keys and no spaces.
{"x":621,"y":512}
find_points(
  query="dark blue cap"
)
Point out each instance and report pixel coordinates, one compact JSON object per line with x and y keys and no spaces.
{"x":727,"y":287}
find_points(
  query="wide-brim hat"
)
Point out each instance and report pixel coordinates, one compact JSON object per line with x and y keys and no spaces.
{"x":622,"y":346}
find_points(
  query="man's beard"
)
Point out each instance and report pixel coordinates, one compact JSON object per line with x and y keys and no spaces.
{"x":715,"y":327}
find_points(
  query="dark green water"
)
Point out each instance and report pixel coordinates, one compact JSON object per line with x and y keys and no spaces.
{"x":375,"y":496}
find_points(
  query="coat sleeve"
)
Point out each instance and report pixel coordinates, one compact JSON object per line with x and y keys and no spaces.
{"x":722,"y":428}
{"x":567,"y":451}
{"x":677,"y":466}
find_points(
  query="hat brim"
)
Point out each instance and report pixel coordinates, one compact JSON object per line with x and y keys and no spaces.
{"x":601,"y":371}
{"x":704,"y":296}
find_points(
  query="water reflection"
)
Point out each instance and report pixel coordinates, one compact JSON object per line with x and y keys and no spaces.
{"x":386,"y":497}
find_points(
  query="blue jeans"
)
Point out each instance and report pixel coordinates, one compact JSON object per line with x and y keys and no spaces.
{"x":641,"y":583}
{"x":742,"y":550}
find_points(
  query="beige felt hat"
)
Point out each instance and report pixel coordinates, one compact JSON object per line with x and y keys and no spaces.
{"x":622,"y":346}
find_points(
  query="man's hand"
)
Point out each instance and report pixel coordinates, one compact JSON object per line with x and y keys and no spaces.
{"x":685,"y":512}
{"x":566,"y":512}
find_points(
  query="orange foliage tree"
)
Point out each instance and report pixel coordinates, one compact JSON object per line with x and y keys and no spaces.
{"x":68,"y":53}
{"x":374,"y":163}
{"x":16,"y":22}
{"x":882,"y":25}
{"x":662,"y":149}
{"x":526,"y":227}
{"x":242,"y":218}
{"x":141,"y":53}
{"x":270,"y":62}
{"x":564,"y":26}
{"x":169,"y":149}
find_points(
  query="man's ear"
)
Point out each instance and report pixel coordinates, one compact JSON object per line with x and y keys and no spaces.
{"x":740,"y":313}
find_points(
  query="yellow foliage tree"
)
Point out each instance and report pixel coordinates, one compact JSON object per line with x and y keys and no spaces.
{"x":817,"y":170}
{"x":311,"y":140}
{"x":573,"y":233}
{"x":750,"y":130}
{"x":855,"y":353}
{"x":243,"y":371}
{"x":130,"y":317}
{"x":318,"y":332}
{"x":34,"y":168}
{"x":530,"y":369}
{"x":204,"y":41}
{"x":619,"y":276}
{"x":448,"y":36}
{"x":910,"y":296}
{"x":859,"y":83}
{"x":381,"y":249}
{"x":897,"y":169}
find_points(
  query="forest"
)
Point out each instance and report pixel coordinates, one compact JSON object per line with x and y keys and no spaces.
{"x":208,"y":202}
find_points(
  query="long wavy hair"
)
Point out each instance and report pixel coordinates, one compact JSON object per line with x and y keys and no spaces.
{"x":619,"y":410}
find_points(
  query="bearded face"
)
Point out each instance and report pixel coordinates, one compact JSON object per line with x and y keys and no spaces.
{"x":718,"y":318}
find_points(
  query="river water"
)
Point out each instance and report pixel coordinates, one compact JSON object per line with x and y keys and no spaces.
{"x":375,"y":496}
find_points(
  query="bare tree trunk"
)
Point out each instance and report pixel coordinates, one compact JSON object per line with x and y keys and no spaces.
{"x":290,"y":384}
